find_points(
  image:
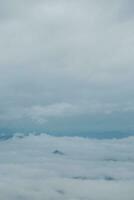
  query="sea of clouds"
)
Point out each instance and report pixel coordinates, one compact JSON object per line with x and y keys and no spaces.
{"x":43,"y":167}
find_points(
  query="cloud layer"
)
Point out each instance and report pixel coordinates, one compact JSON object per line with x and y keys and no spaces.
{"x":38,"y":167}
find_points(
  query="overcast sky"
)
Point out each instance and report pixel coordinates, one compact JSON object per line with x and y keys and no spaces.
{"x":67,"y":65}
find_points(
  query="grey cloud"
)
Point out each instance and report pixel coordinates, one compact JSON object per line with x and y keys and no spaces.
{"x":73,"y":52}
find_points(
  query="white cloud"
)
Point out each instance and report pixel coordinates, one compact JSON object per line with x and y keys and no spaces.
{"x":42,"y":113}
{"x":96,"y":169}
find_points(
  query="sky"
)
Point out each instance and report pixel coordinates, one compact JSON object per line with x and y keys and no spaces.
{"x":66,"y":66}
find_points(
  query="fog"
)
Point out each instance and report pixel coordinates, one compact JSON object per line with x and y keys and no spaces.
{"x":45,"y":167}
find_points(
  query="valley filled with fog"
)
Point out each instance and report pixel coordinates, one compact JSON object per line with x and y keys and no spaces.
{"x":42,"y":167}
